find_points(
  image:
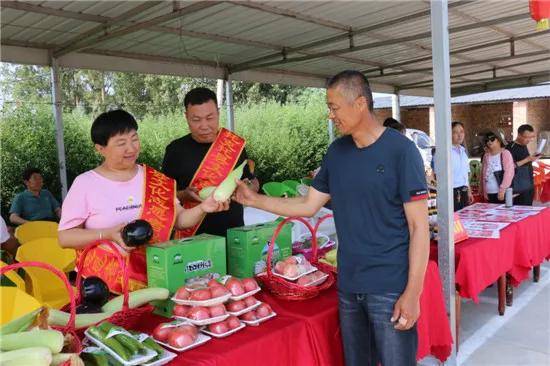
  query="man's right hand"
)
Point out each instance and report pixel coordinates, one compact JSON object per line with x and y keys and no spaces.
{"x":244,"y":195}
{"x":189,"y":194}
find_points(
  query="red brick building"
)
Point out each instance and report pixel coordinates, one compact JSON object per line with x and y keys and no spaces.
{"x":504,"y":109}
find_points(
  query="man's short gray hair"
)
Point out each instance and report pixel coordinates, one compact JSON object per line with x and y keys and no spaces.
{"x":353,"y":85}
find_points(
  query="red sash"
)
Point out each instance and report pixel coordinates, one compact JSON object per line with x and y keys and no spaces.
{"x":159,"y":209}
{"x":218,"y":162}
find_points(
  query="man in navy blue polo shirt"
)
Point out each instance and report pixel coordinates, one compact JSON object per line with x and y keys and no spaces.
{"x":374,"y":177}
{"x":34,"y":203}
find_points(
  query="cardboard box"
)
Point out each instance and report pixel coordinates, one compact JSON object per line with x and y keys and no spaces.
{"x":171,"y":263}
{"x":247,"y":248}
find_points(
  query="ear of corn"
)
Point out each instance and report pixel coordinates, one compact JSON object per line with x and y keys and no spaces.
{"x":20,"y":324}
{"x":206,"y":192}
{"x":36,"y":356}
{"x":51,"y":339}
{"x":228,"y":186}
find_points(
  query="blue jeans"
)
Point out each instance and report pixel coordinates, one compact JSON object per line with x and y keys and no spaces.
{"x":368,"y":335}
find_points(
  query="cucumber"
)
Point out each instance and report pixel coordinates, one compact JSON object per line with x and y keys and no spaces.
{"x":94,"y":359}
{"x":51,"y":339}
{"x":127,"y":341}
{"x":137,"y":299}
{"x":112,"y":343}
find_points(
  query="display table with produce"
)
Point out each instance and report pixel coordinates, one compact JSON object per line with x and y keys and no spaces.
{"x":308,"y":332}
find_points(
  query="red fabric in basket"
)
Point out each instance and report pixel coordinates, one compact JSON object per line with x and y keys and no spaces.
{"x":308,"y":333}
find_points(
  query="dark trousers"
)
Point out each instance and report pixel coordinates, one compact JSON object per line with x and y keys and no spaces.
{"x":369,"y":337}
{"x":460,"y":197}
{"x":525,"y":198}
{"x":493,"y":198}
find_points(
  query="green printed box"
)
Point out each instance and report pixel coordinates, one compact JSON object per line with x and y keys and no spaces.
{"x":171,"y":263}
{"x":247,"y":248}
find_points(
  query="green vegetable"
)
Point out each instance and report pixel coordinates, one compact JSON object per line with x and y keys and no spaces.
{"x":149,"y":342}
{"x":229,"y":184}
{"x":51,"y":339}
{"x":152,"y":345}
{"x":35,"y":356}
{"x":20,"y":324}
{"x":94,"y":359}
{"x":61,"y":358}
{"x":112,"y":343}
{"x":137,"y":298}
{"x":127,"y":341}
{"x":206,"y":192}
{"x":60,"y":318}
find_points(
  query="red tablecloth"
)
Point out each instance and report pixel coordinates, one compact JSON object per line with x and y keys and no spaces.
{"x":480,"y":262}
{"x":545,"y":194}
{"x":532,"y":244}
{"x":308,"y":333}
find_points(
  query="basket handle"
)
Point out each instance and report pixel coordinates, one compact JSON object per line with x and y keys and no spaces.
{"x":315,"y":229}
{"x":121,"y":261}
{"x":276,"y":234}
{"x":70,"y":327}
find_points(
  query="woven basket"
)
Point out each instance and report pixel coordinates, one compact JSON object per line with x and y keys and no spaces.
{"x":327,"y":268}
{"x":283,"y":288}
{"x":75,"y":346}
{"x":127,"y":318}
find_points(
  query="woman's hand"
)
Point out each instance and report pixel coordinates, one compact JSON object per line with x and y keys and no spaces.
{"x":114,"y":234}
{"x":210,"y":205}
{"x":500,"y":195}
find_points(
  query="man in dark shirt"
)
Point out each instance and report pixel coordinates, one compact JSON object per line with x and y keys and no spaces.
{"x":522,"y":158}
{"x":183,"y":157}
{"x":374,"y":177}
{"x":35,"y":203}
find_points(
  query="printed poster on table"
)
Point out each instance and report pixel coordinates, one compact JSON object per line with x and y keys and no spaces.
{"x":488,"y":234}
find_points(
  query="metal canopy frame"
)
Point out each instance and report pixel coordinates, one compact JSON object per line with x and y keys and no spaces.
{"x":306,"y":42}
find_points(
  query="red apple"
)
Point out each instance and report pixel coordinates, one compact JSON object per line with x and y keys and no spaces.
{"x":218,"y":291}
{"x":291,"y":270}
{"x":182,"y":294}
{"x":263,"y":310}
{"x":200,"y":295}
{"x":291,"y":260}
{"x":234,"y":286}
{"x":280,"y":267}
{"x":250,"y":316}
{"x":181,"y":310}
{"x":249,"y":284}
{"x":161,"y":333}
{"x":180,"y":339}
{"x":218,"y":328}
{"x":217,"y":310}
{"x":198,"y":313}
{"x":249,"y":301}
{"x":188,"y":328}
{"x":233,"y":322}
{"x":214,"y":283}
{"x":236,"y":306}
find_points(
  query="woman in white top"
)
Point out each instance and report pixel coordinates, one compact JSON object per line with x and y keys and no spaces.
{"x":461,"y":168}
{"x":496,"y":159}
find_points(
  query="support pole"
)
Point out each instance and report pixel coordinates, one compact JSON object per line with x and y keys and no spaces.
{"x":442,"y":106}
{"x":395,"y":107}
{"x":330,"y":128}
{"x":219,"y":93}
{"x":58,"y":115}
{"x":229,"y":104}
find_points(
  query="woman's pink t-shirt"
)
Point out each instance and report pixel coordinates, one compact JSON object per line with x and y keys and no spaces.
{"x":102,"y":203}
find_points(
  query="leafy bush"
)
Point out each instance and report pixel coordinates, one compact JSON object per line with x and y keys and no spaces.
{"x":286,"y":142}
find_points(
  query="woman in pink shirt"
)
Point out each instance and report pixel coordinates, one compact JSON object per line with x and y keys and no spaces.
{"x":102,"y":201}
{"x":496,"y":159}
